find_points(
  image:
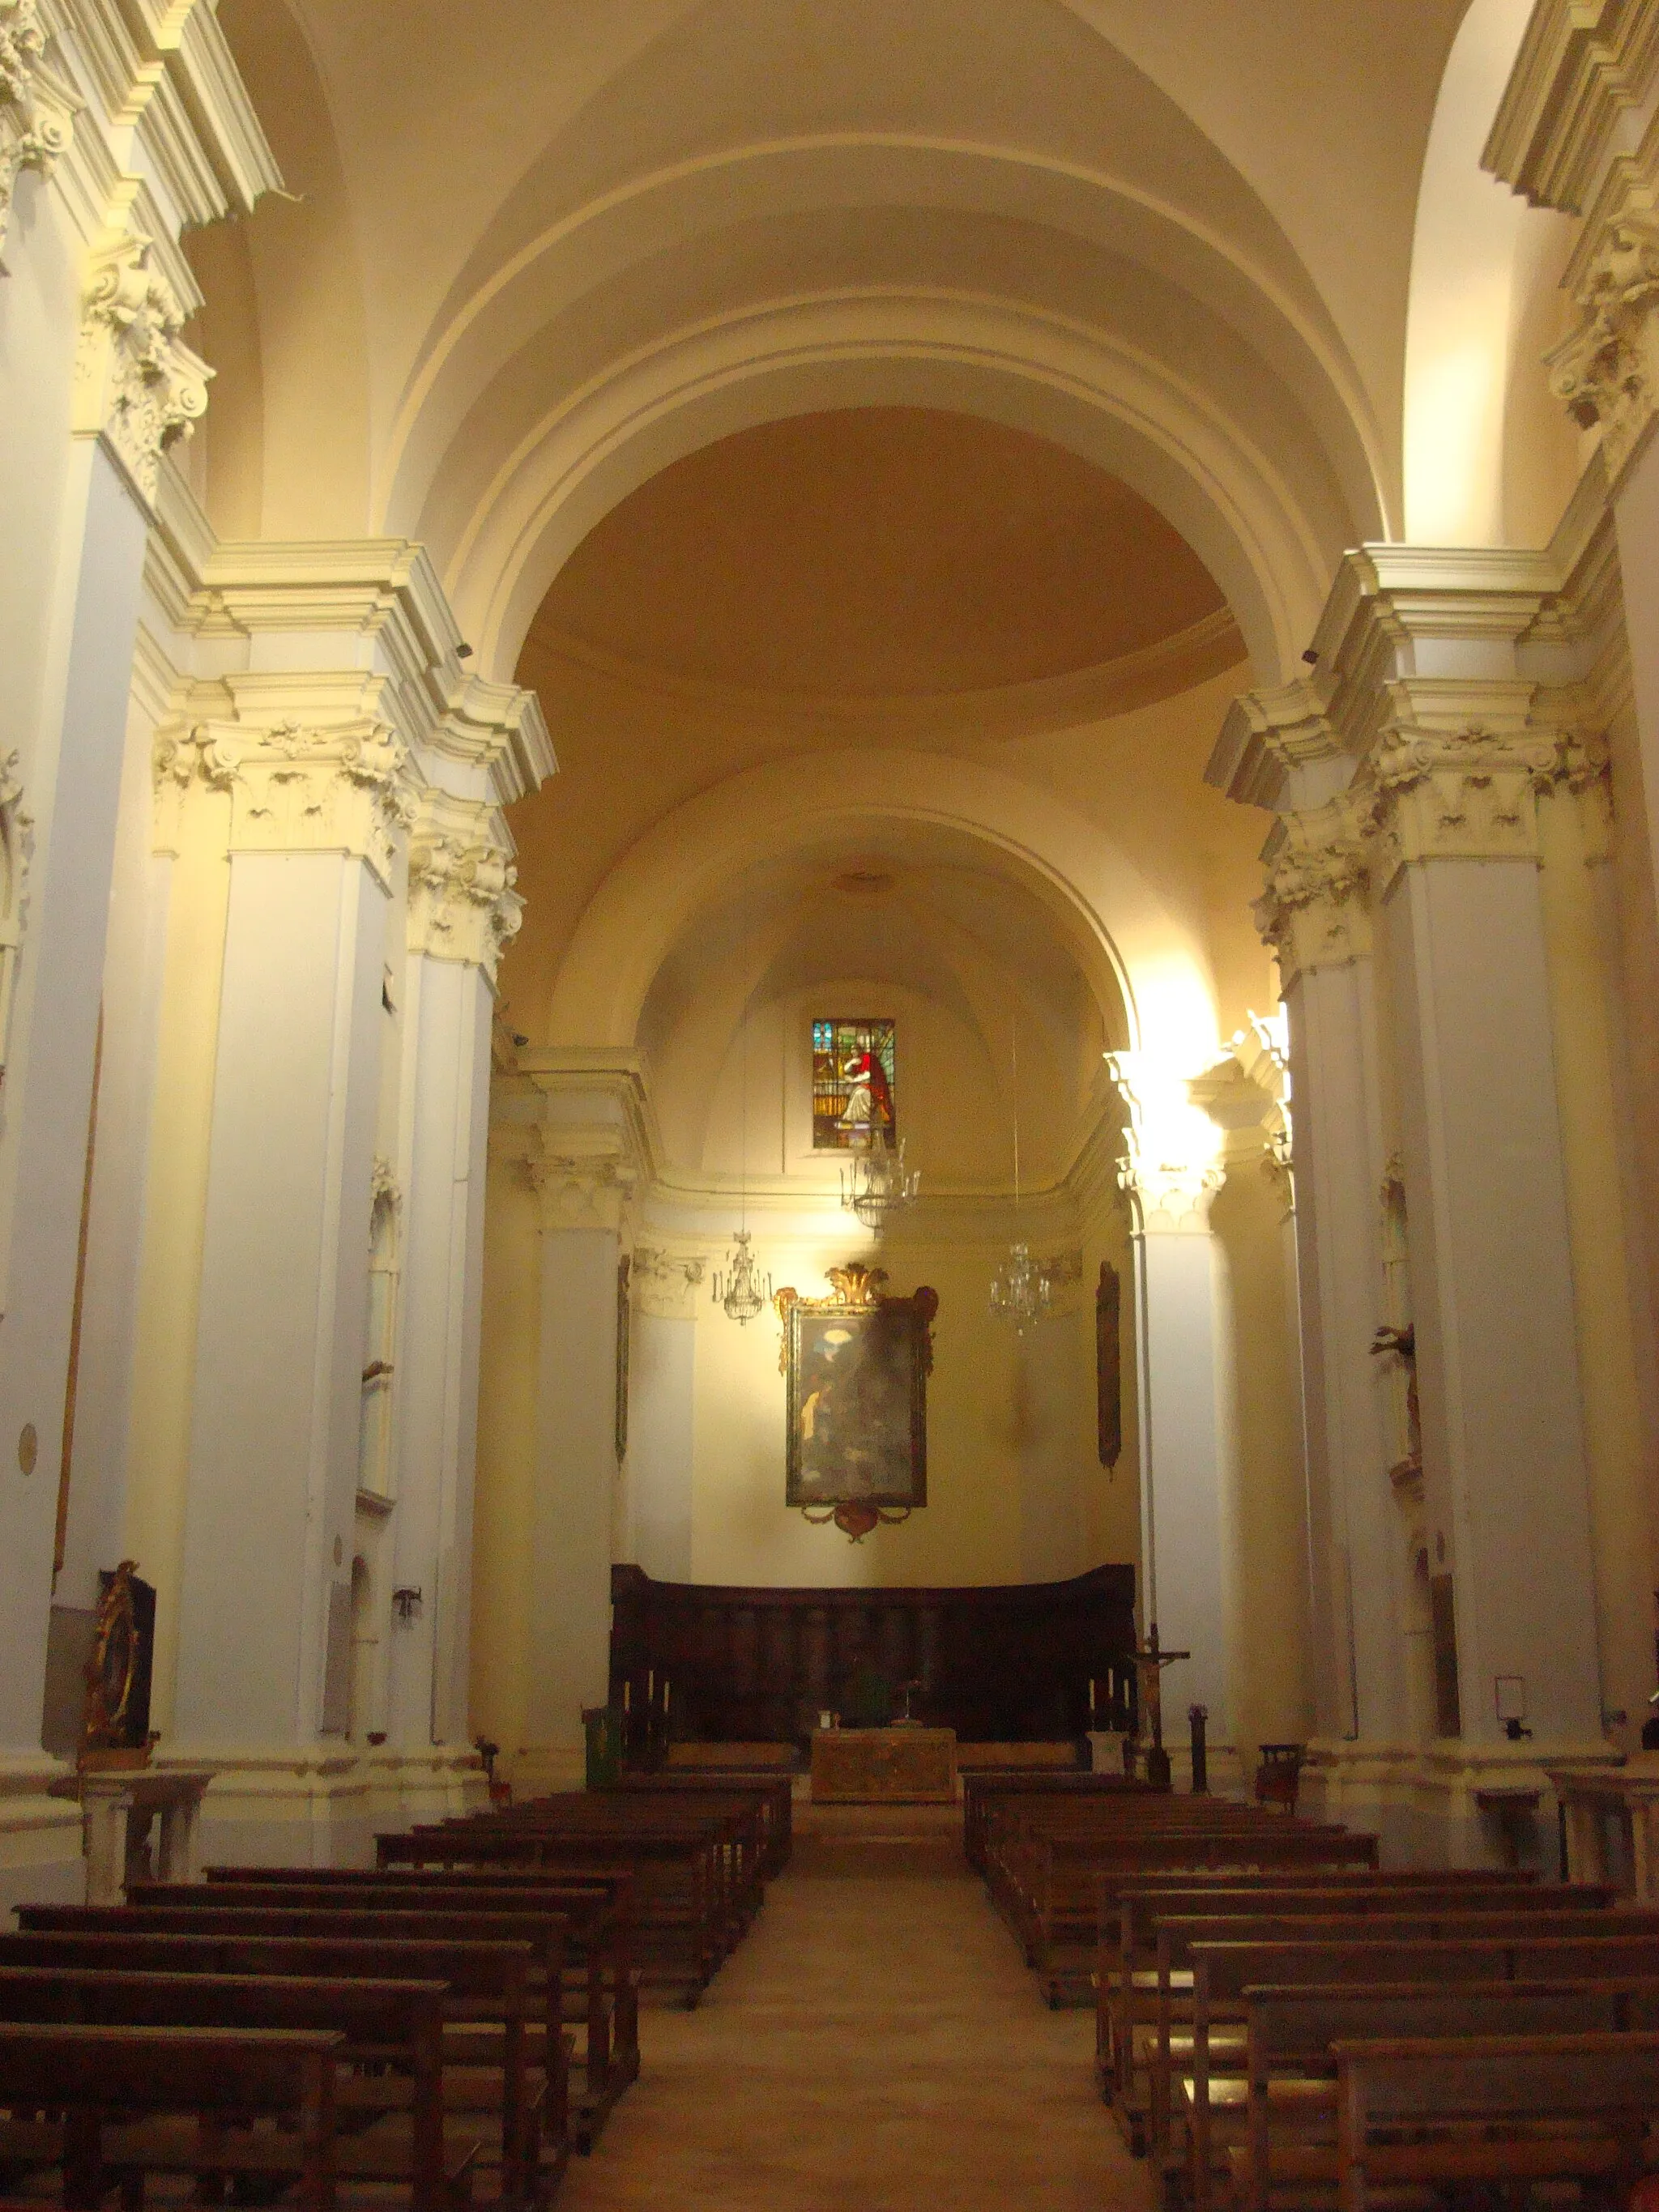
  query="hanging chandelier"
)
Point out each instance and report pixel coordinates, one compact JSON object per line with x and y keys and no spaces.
{"x":1021,"y":1288}
{"x":877,"y":1184}
{"x":740,"y":1289}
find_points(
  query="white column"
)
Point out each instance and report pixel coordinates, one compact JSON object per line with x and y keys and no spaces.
{"x":79,"y":514}
{"x":462,"y":909}
{"x":1314,"y":916}
{"x":264,"y":1601}
{"x":662,"y":1368}
{"x":583,"y":1164}
{"x":1171,"y":1174}
{"x":1456,"y":879}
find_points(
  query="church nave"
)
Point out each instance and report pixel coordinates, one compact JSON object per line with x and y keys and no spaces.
{"x":874,"y":2044}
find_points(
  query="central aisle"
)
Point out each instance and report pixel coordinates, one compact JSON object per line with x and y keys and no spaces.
{"x":875,"y":2045}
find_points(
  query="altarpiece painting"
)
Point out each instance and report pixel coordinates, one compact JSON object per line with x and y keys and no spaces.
{"x":856,"y":1367}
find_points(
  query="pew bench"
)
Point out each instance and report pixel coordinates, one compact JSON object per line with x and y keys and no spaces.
{"x":590,"y":1932}
{"x":1275,"y":2131}
{"x":1495,"y":2109}
{"x":390,"y":2061}
{"x":519,"y":2113}
{"x":116,"y":2088}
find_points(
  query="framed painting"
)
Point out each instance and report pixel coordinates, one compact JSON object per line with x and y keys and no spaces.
{"x":856,"y":1367}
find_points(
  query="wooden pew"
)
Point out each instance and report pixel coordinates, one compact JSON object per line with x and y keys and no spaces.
{"x":1281,"y":2120}
{"x":1076,"y":1874}
{"x":397,"y":2024}
{"x":1127,"y":1976}
{"x":980,"y":1793}
{"x":1492,"y":2109}
{"x":680,"y":1937}
{"x":606,"y":1939}
{"x":110,"y":2083}
{"x":490,"y":1976}
{"x":591,"y":1933}
{"x":776,"y":1795}
{"x":1335,"y":1954}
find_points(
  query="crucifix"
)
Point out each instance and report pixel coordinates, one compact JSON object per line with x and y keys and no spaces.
{"x":1150,"y":1661}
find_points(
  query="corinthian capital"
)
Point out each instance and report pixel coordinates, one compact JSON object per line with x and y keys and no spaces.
{"x":37,"y":110}
{"x":1313,"y":911}
{"x":294,"y":787}
{"x":136,"y":384}
{"x":1604,"y":370}
{"x":461,"y":905}
{"x":1172,"y":1169}
{"x":1454,"y":775}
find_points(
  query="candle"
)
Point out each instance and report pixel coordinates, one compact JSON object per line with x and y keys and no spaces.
{"x":650,"y":1685}
{"x":1092,"y":1695}
{"x":665,"y":1694}
{"x":627,"y":1695}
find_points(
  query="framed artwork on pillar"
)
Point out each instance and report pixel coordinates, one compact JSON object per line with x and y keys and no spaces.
{"x":624,"y":1348}
{"x":1109,"y":1364}
{"x":856,"y":1367}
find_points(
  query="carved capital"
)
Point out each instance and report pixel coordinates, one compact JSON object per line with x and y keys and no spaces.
{"x":1313,"y":911}
{"x":461,"y":905}
{"x":1604,"y":371}
{"x":1435,"y":788}
{"x":36,"y":109}
{"x":581,"y":1177}
{"x":136,"y":385}
{"x":293,"y":788}
{"x":1172,"y":1169}
{"x":666,"y":1283}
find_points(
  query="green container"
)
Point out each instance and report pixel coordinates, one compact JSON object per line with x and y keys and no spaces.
{"x":602,"y":1725}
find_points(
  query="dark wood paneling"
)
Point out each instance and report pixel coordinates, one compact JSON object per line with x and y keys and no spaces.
{"x":1007,"y":1663}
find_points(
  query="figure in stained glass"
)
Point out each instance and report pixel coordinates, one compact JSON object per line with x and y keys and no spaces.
{"x":852,"y":1084}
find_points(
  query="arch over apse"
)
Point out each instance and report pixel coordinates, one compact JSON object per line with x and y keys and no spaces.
{"x":1148,"y":969}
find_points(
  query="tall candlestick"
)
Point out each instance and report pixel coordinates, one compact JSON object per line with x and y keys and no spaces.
{"x":627,"y":1695}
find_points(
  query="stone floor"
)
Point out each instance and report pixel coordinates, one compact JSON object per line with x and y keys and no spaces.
{"x":875,"y":2046}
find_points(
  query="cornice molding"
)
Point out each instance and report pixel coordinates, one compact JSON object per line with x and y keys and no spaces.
{"x":1584,"y":66}
{"x":1205,"y":649}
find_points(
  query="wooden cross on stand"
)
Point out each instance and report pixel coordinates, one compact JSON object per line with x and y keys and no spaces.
{"x":1151,"y":1659}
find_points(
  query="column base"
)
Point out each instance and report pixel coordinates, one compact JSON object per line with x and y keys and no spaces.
{"x":324,"y":1805}
{"x":42,"y":1853}
{"x":1448,"y":1803}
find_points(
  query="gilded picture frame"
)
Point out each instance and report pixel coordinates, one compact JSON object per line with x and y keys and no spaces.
{"x":856,"y":1367}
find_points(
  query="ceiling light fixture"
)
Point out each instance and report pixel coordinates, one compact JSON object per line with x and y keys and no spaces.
{"x":1020,"y":1290}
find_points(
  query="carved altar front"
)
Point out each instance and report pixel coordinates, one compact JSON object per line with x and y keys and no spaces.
{"x":884,"y":1766}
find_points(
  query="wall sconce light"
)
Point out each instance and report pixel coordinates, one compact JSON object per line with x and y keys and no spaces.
{"x":406,"y":1602}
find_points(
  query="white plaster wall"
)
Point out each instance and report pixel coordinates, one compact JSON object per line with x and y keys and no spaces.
{"x":662,"y":1377}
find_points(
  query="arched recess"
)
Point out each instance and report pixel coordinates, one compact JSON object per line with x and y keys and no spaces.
{"x":1490,"y":458}
{"x":1122,"y":411}
{"x":1148,"y":970}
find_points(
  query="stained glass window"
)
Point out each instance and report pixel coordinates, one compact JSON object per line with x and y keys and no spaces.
{"x":854,"y":1096}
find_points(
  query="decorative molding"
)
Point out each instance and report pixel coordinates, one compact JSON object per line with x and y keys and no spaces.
{"x":294,"y":787}
{"x":1455,"y":775}
{"x":137,"y":386}
{"x":461,"y":905}
{"x":384,"y":1187}
{"x":37,"y":109}
{"x":665,"y":1283}
{"x":1584,"y":66}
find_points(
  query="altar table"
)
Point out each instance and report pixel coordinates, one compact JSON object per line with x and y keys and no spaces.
{"x":884,"y":1766}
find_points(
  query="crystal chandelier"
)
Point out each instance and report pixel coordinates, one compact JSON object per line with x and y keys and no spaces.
{"x":878,"y":1183}
{"x":1021,"y":1288}
{"x":739,"y":1287}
